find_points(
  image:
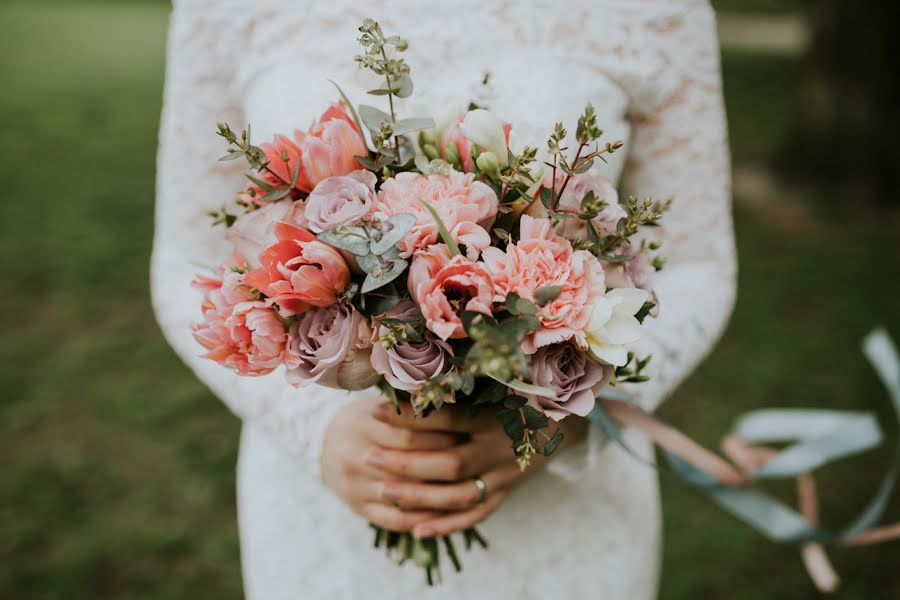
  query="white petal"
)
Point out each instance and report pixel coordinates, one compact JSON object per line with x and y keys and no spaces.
{"x":601,"y":312}
{"x":483,"y":128}
{"x":613,"y":355}
{"x":630,"y":299}
{"x":622,"y":329}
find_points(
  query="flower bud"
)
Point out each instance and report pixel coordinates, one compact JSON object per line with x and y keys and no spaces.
{"x":487,"y":163}
{"x":430,"y":151}
{"x":483,"y":128}
{"x":451,"y":155}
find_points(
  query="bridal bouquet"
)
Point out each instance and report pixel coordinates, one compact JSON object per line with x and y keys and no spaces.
{"x":443,"y":265}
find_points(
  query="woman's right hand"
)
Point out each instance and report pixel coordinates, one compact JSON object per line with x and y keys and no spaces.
{"x":351,"y":436}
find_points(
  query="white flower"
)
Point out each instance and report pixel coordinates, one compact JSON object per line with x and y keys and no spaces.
{"x":484,"y":129}
{"x":612,"y":325}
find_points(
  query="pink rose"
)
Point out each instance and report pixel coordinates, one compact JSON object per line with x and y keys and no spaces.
{"x":454,"y":135}
{"x":331,"y":146}
{"x":239,"y":333}
{"x":340,"y":200}
{"x":467,"y":207}
{"x":578,"y":378}
{"x":444,"y":287}
{"x":408,"y":365}
{"x":579,"y":185}
{"x":299,"y":272}
{"x":543,"y":258}
{"x":331,"y":346}
{"x":637,"y":272}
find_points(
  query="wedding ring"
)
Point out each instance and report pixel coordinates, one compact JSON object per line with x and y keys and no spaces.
{"x":482,"y":489}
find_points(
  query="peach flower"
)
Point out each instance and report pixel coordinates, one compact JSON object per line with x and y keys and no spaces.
{"x":239,"y":333}
{"x":299,"y":272}
{"x":444,"y":287}
{"x":252,"y":232}
{"x":328,"y":149}
{"x":543,"y":258}
{"x":467,"y":207}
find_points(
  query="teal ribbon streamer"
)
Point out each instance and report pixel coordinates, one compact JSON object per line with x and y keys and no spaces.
{"x":816,"y":437}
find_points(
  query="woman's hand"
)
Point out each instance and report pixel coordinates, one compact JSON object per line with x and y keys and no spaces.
{"x":442,"y":479}
{"x":353,"y":435}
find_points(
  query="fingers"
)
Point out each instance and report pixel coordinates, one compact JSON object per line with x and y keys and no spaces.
{"x":457,"y":419}
{"x":459,"y":462}
{"x":402,"y":438}
{"x":394,"y":518}
{"x":457,"y":521}
{"x":461,"y":495}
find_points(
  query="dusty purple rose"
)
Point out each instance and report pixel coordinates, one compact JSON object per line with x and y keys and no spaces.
{"x":330,"y":346}
{"x":340,"y":200}
{"x":408,"y":365}
{"x":578,"y":377}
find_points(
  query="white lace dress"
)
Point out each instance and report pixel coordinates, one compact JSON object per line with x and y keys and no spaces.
{"x":588,"y":527}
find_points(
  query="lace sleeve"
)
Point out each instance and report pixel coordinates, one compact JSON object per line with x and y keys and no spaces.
{"x":190,"y":182}
{"x":679,"y":148}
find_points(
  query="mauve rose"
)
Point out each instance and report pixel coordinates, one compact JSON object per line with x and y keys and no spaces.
{"x":340,"y":200}
{"x":578,"y":377}
{"x":408,"y":365}
{"x":331,"y":346}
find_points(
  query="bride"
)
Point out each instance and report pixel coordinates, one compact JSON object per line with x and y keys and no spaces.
{"x":316,"y":463}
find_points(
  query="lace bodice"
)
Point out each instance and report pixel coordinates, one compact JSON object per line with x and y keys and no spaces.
{"x":650,"y":67}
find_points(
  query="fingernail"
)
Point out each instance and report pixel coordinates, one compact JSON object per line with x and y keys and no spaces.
{"x":375,"y":459}
{"x":423,"y":532}
{"x":382,"y":411}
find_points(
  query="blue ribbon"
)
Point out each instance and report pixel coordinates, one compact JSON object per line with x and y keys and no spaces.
{"x":816,"y":437}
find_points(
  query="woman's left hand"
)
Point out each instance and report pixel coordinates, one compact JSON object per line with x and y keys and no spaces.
{"x":444,"y":480}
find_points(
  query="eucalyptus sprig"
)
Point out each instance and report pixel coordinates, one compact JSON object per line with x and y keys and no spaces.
{"x":382,"y":56}
{"x":242,"y":147}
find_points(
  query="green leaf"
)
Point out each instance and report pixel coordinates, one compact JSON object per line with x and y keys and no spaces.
{"x":390,"y":271}
{"x":296,"y":174}
{"x":547,"y":294}
{"x":379,"y":92}
{"x":514,"y":402}
{"x":347,"y":237}
{"x":350,"y":107}
{"x":231,"y":156}
{"x":527,"y":388}
{"x":553,"y":443}
{"x":393,"y":231}
{"x":442,"y":229}
{"x":614,"y":258}
{"x":402,"y":86}
{"x":643,"y":312}
{"x":404,"y":126}
{"x":374,"y":117}
{"x":546,"y":197}
{"x":276,"y":194}
{"x":584,"y":166}
{"x":534,"y":419}
{"x":260,"y":183}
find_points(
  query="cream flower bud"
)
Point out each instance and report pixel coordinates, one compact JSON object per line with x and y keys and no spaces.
{"x":487,"y":163}
{"x":481,"y":127}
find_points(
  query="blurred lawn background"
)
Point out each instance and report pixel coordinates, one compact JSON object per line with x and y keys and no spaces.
{"x":118,"y":466}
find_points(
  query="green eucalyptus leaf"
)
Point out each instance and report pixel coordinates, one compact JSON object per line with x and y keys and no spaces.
{"x":404,"y":126}
{"x":379,"y":92}
{"x":388,"y":272}
{"x":260,"y":183}
{"x":402,"y":86}
{"x":547,"y":294}
{"x":275,"y":194}
{"x":347,"y":237}
{"x":368,"y":262}
{"x":553,"y":443}
{"x":374,"y":117}
{"x":546,"y":197}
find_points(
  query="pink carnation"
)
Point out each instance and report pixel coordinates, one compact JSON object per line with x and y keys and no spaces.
{"x":467,"y":207}
{"x":299,"y":272}
{"x":239,"y":333}
{"x":444,"y":287}
{"x":542,"y":258}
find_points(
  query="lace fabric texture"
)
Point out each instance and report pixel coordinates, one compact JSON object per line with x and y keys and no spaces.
{"x":651,"y":69}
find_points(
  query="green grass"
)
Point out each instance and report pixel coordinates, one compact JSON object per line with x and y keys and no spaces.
{"x":118,"y":466}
